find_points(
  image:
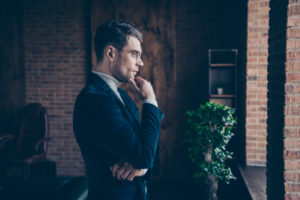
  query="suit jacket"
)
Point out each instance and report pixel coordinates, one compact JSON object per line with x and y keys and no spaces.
{"x":107,"y":131}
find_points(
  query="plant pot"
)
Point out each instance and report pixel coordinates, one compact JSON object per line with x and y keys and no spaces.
{"x":220,"y":90}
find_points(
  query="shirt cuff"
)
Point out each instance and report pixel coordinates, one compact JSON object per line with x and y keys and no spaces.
{"x":145,"y":171}
{"x":151,"y":101}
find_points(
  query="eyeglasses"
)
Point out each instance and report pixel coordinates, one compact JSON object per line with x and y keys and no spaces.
{"x":136,"y":54}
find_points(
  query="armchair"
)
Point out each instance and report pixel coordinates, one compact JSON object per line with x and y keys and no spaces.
{"x":31,"y":141}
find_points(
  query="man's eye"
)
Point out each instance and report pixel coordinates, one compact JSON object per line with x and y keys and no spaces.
{"x":135,"y":54}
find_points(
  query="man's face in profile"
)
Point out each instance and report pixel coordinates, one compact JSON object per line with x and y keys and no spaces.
{"x":128,"y":60}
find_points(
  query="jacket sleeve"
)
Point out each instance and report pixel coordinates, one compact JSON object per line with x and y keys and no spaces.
{"x":99,"y":121}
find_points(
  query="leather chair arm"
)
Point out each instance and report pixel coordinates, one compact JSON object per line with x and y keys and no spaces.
{"x":40,"y":142}
{"x":6,"y":138}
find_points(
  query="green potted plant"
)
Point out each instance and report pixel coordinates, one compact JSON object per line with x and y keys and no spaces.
{"x":209,"y":131}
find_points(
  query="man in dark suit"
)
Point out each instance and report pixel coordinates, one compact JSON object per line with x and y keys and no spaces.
{"x":118,"y":147}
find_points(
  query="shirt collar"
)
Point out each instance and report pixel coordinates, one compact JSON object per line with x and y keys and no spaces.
{"x":110,"y":81}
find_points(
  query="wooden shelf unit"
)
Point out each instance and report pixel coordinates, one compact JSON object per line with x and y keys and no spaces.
{"x":222,"y":73}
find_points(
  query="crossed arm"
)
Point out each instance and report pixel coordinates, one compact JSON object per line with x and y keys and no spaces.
{"x":125,"y":171}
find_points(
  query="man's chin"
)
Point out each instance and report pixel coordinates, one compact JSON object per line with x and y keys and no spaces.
{"x":122,"y":79}
{"x":131,"y":77}
{"x":125,"y":79}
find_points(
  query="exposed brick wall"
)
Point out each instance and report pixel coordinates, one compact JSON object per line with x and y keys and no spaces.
{"x":291,"y":131}
{"x":256,"y":86}
{"x":56,"y":56}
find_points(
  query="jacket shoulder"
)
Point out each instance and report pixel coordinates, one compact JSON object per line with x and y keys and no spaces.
{"x":92,"y":89}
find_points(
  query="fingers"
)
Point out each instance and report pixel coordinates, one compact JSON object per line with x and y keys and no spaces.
{"x":120,"y":172}
{"x":123,"y":175}
{"x":115,"y":169}
{"x":131,"y":175}
{"x":134,"y":85}
{"x":123,"y":171}
{"x":140,"y":80}
{"x":135,"y":173}
{"x":143,"y":88}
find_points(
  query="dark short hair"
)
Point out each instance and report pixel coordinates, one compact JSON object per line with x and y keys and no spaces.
{"x":114,"y":32}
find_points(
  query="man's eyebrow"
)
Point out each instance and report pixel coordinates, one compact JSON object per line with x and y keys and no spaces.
{"x":136,"y":51}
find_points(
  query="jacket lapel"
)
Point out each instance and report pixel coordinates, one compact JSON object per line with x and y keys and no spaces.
{"x":130,"y":105}
{"x":128,"y":108}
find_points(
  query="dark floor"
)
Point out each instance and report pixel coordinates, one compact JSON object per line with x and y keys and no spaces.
{"x":66,"y":188}
{"x":75,"y":188}
{"x":189,"y":190}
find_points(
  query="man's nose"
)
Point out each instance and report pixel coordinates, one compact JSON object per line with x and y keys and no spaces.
{"x":140,"y":63}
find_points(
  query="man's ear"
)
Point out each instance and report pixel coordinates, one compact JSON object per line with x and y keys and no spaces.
{"x":109,"y":53}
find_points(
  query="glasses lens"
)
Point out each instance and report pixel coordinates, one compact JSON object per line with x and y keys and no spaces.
{"x":138,"y":56}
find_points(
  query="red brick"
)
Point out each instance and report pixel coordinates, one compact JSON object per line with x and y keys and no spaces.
{"x":293,"y":2}
{"x":256,"y":151}
{"x":262,"y":145}
{"x":252,"y":108}
{"x":251,"y":144}
{"x":292,"y":132}
{"x":291,"y":143}
{"x":257,"y":127}
{"x":289,"y":196}
{"x":252,"y":60}
{"x":293,"y":21}
{"x":292,"y":89}
{"x":292,"y":121}
{"x":292,"y":154}
{"x":292,"y":77}
{"x":255,"y":162}
{"x":292,"y":66}
{"x":257,"y":114}
{"x":292,"y":165}
{"x":255,"y":138}
{"x":263,"y":60}
{"x":292,"y":187}
{"x":294,"y":9}
{"x":262,"y":156}
{"x":292,"y":176}
{"x":292,"y":110}
{"x":292,"y":55}
{"x":251,"y":121}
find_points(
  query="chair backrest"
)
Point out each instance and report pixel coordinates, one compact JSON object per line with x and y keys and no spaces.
{"x":33,"y":128}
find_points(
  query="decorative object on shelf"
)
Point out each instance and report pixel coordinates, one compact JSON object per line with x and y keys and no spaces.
{"x":209,"y":131}
{"x":220,"y":88}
